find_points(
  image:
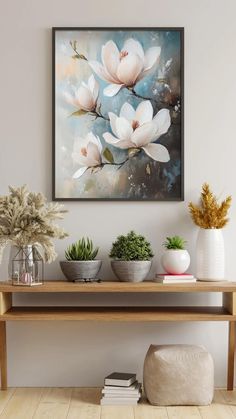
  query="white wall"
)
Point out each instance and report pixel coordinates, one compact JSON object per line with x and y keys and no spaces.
{"x":69,"y":354}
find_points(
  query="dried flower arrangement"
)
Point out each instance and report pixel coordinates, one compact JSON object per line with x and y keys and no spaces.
{"x":26,"y":218}
{"x":210,"y":213}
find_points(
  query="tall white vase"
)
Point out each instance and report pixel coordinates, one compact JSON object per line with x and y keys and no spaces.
{"x":210,"y":255}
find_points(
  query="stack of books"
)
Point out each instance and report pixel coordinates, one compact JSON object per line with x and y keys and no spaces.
{"x":121,"y":389}
{"x":174,"y":279}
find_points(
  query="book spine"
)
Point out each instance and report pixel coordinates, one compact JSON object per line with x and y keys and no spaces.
{"x":118,"y":383}
{"x":107,"y":393}
{"x":174,"y":276}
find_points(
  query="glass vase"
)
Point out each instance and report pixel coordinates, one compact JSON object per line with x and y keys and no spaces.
{"x":26,"y":266}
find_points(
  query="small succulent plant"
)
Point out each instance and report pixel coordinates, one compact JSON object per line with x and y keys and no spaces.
{"x":175,"y":242}
{"x":83,"y":249}
{"x":131,"y":247}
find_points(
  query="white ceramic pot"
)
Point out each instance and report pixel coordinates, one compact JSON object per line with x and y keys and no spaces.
{"x":175,"y":261}
{"x":210,"y":255}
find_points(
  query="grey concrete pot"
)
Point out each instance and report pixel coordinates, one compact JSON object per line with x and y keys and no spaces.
{"x":132,"y":270}
{"x":80,"y":269}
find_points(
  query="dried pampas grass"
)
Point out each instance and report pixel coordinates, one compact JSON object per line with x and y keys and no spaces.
{"x":26,"y":218}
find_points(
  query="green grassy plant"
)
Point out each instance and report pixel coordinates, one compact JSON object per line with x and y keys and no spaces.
{"x":83,"y":249}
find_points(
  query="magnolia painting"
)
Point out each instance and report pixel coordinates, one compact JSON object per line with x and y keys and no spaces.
{"x":118,"y":114}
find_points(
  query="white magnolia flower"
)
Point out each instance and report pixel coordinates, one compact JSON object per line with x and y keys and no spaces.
{"x":87,"y":153}
{"x":85,"y":97}
{"x":138,"y":129}
{"x":125,"y":67}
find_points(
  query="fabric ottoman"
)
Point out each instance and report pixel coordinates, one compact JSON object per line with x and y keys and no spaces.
{"x":178,"y":375}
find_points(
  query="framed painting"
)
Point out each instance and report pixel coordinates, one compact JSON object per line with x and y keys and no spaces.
{"x":118,"y":114}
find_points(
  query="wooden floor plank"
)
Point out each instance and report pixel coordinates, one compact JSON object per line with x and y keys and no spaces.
{"x":85,"y":403}
{"x":230,"y":400}
{"x":54,"y":403}
{"x":23,"y":403}
{"x":146,"y":411}
{"x":218,"y":397}
{"x":183,"y":412}
{"x":84,"y":412}
{"x":218,"y":409}
{"x":57,"y":395}
{"x":5,"y":397}
{"x":117,"y":412}
{"x":85,"y":396}
{"x":229,"y":397}
{"x":51,"y":411}
{"x":233,"y":410}
{"x":207,"y":412}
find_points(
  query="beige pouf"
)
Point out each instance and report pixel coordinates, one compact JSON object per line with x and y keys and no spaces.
{"x":178,"y":375}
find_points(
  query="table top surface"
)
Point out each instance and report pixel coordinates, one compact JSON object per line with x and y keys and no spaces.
{"x":120,"y":287}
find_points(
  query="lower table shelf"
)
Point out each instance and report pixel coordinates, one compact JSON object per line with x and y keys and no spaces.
{"x":226,"y":312}
{"x":119,"y":313}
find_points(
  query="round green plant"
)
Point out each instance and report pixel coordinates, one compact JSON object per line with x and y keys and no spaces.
{"x":131,"y":247}
{"x":83,"y":249}
{"x":175,"y":242}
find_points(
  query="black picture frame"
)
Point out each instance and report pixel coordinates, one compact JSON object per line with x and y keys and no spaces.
{"x":55,"y":30}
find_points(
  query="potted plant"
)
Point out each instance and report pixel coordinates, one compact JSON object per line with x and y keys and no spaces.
{"x":176,"y":259}
{"x":27,"y":225}
{"x":131,"y":256}
{"x":80,"y":263}
{"x":211,"y":216}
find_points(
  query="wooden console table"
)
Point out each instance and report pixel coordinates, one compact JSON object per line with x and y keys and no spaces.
{"x":225,"y":312}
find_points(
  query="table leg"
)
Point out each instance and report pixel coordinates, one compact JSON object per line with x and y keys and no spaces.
{"x":3,"y":355}
{"x":231,"y":351}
